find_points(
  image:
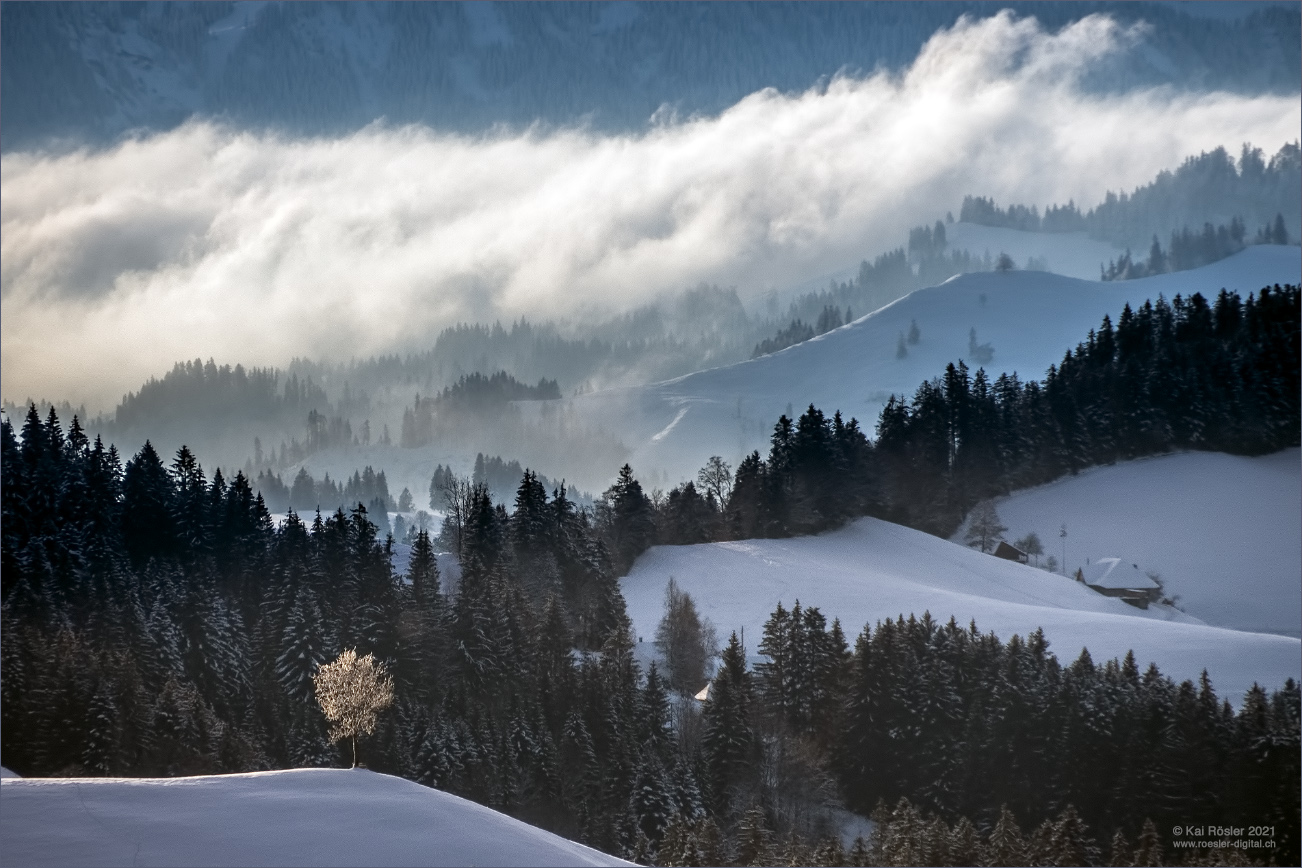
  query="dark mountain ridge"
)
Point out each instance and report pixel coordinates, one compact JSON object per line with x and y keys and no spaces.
{"x":90,"y":72}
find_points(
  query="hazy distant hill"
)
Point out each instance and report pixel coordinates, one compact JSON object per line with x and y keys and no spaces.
{"x":90,"y":71}
{"x":1018,"y":321}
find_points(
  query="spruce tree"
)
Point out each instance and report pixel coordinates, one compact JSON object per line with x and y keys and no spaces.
{"x":302,"y":650}
{"x":754,"y":840}
{"x":729,"y":739}
{"x":1005,"y":844}
{"x":1069,"y":843}
{"x":628,"y":519}
{"x":651,"y":801}
{"x":148,"y":526}
{"x":1119,"y":853}
{"x":1148,"y":851}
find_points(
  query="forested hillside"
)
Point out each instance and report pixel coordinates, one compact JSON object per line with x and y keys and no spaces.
{"x":1210,"y":189}
{"x":155,"y":622}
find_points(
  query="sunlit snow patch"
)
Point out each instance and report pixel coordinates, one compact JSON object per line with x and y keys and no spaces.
{"x":298,"y":817}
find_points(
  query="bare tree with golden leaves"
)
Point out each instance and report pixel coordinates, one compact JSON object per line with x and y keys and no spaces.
{"x":352,"y":691}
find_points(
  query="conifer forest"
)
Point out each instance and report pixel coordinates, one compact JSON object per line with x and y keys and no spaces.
{"x":663,"y":433}
{"x":157,"y":623}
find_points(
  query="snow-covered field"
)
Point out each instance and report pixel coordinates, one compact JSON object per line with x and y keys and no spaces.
{"x":872,"y":570}
{"x":1029,"y":318}
{"x":298,"y":817}
{"x":1223,"y":531}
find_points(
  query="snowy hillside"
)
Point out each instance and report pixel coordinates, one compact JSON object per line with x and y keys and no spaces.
{"x":1072,"y":254}
{"x":1221,"y":530}
{"x":872,"y":570}
{"x":299,"y":817}
{"x":1028,"y":319}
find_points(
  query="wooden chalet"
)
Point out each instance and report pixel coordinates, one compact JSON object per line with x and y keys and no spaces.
{"x":1010,"y":553}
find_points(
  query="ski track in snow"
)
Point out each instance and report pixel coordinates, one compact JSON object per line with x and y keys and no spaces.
{"x":670,"y":427}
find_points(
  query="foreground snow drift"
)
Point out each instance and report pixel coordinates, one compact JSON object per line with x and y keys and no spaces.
{"x":299,"y":817}
{"x":1221,"y":530}
{"x":873,"y":570}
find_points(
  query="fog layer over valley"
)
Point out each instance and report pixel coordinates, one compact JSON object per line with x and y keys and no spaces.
{"x":211,"y":241}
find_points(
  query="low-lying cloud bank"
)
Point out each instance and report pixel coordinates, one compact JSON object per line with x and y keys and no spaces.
{"x":256,"y":248}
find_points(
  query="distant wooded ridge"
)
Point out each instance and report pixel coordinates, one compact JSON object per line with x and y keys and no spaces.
{"x":92,"y":71}
{"x":1207,"y":189}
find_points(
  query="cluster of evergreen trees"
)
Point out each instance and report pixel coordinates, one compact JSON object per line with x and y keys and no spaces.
{"x":1183,"y":374}
{"x":829,"y":318}
{"x":817,"y":475}
{"x":156,"y":623}
{"x":216,"y":392}
{"x":306,"y":494}
{"x":1179,"y":375}
{"x":321,"y":432}
{"x":927,"y":262}
{"x":1190,"y":249}
{"x":796,"y":333}
{"x":977,"y":732}
{"x":961,"y":723}
{"x":1206,"y":189}
{"x":220,"y":400}
{"x":474,"y":394}
{"x":501,"y":477}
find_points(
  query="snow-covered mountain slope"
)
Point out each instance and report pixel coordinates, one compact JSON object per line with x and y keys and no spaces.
{"x":872,"y":570}
{"x":299,"y":817}
{"x":1073,"y":254}
{"x":1221,"y":530}
{"x":1029,"y":319}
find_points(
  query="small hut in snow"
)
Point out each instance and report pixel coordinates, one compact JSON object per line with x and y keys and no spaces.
{"x":1111,"y":577}
{"x":1011,"y":553}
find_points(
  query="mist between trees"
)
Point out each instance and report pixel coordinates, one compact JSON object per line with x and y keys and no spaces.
{"x":463,"y":392}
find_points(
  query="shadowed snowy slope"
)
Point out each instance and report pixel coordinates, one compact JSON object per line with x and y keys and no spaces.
{"x":1221,"y":530}
{"x":1028,"y":318}
{"x":299,"y":817}
{"x":872,"y":570}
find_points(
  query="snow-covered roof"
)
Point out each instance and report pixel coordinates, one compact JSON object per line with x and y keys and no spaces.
{"x":1116,"y":573}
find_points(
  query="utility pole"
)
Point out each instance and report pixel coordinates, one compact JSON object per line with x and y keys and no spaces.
{"x":1063,"y":533}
